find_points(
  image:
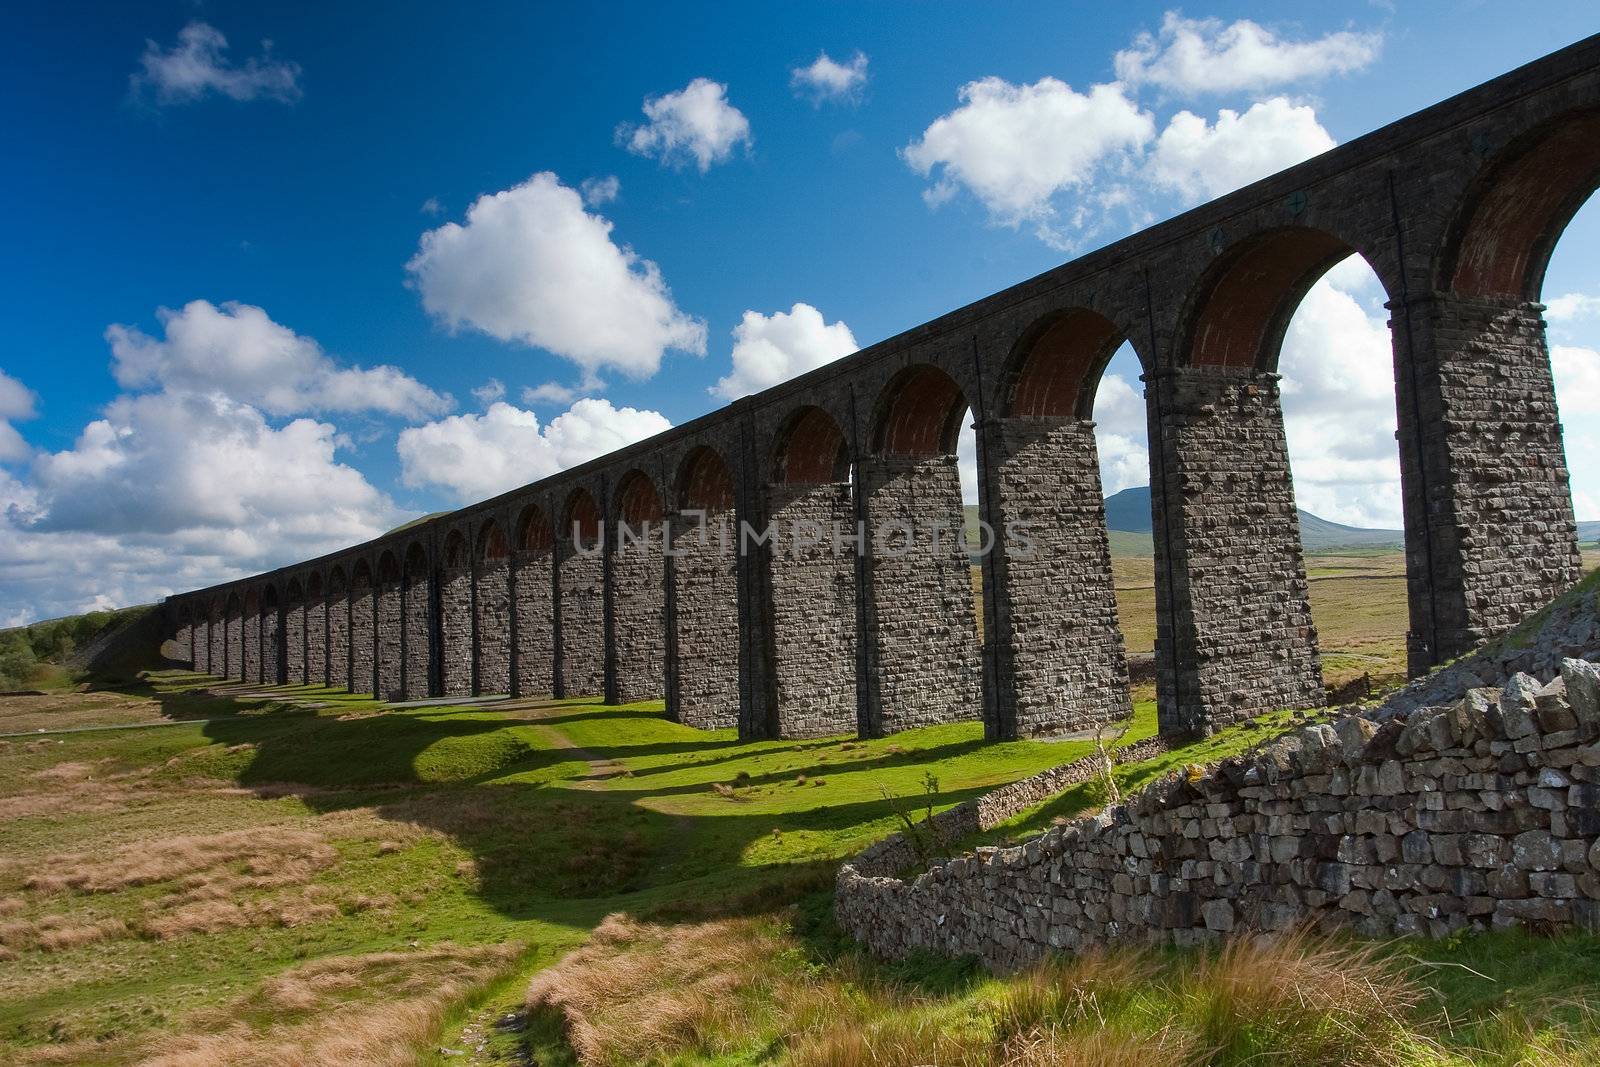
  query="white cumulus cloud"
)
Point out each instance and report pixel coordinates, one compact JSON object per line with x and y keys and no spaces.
{"x":196,"y":66}
{"x":16,"y":403}
{"x":1192,"y":56}
{"x":531,"y":265}
{"x":1201,"y":160}
{"x":1015,"y":147}
{"x":1572,"y":307}
{"x":238,"y":351}
{"x":478,"y":456}
{"x":695,"y":122}
{"x":768,"y":349}
{"x":827,"y":79}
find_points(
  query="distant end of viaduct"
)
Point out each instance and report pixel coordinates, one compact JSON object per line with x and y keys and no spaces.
{"x":1456,"y":208}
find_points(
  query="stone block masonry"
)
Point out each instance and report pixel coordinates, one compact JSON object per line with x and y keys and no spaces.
{"x":1234,"y":634}
{"x":536,"y":639}
{"x":639,"y":640}
{"x":581,"y":655}
{"x":418,"y":636}
{"x":362,"y":638}
{"x":1479,"y":814}
{"x":391,"y":640}
{"x":812,"y":597}
{"x":339,"y":666}
{"x":704,"y":643}
{"x":1495,"y":537}
{"x":493,"y":602}
{"x":1060,"y":660}
{"x":316,"y":642}
{"x":922,"y":666}
{"x":1455,"y":208}
{"x":455,"y":631}
{"x":294,"y":642}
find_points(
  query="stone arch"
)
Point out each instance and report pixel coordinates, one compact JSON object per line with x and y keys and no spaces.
{"x":533,"y":579}
{"x":492,"y":604}
{"x":581,"y":652}
{"x":703,"y":631}
{"x":1236,"y":316}
{"x":455,"y":615}
{"x":338,"y":601}
{"x":294,"y":633}
{"x":921,"y":665}
{"x":811,"y":599}
{"x":638,"y":592}
{"x":919,"y":413}
{"x":1055,"y":368}
{"x":1053,"y":641}
{"x":363,"y":629}
{"x":810,"y":449}
{"x":316,"y":624}
{"x":416,"y":625}
{"x":1516,"y":209}
{"x":390,"y":628}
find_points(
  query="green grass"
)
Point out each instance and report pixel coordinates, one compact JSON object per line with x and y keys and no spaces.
{"x":455,"y":831}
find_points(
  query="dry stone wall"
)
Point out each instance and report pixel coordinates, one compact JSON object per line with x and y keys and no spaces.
{"x":1482,"y":813}
{"x":923,"y":667}
{"x":1061,"y":663}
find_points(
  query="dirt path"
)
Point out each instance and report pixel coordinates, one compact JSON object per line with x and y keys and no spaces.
{"x":531,"y":712}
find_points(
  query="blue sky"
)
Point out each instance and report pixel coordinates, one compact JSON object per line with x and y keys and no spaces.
{"x":289,"y":187}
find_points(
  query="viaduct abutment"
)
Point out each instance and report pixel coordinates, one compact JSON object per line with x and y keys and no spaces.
{"x":813,"y":579}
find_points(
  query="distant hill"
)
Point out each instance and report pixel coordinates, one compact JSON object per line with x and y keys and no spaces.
{"x":1589,"y":532}
{"x":1128,"y":520}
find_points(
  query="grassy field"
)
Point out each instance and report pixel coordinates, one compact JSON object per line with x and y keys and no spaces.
{"x":299,"y":876}
{"x":1358,"y":603}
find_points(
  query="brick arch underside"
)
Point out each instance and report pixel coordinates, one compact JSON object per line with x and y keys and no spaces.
{"x":1507,"y":237}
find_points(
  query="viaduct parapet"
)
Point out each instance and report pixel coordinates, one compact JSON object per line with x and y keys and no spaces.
{"x":542,"y":590}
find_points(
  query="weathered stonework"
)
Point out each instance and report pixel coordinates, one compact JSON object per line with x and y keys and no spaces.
{"x":1234,"y":636}
{"x":1489,"y":522}
{"x":536,"y":639}
{"x":812,"y":598}
{"x":581,"y":656}
{"x":418,"y":635}
{"x":704,"y":643}
{"x":1476,"y":815}
{"x":316,"y":614}
{"x":250,"y":651}
{"x":493,"y":604}
{"x":363,"y":646}
{"x":217,"y":661}
{"x":1060,"y":664}
{"x":339,"y":670}
{"x":923,"y":640}
{"x":294,"y":642}
{"x":638,"y":596}
{"x":391,"y":685}
{"x":455,"y":628}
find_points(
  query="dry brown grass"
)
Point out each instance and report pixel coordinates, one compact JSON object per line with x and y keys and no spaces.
{"x":376,"y":1010}
{"x":57,"y":933}
{"x":637,"y":991}
{"x":281,"y":854}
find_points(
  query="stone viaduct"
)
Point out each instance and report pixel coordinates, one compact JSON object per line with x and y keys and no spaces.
{"x":543,"y":591}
